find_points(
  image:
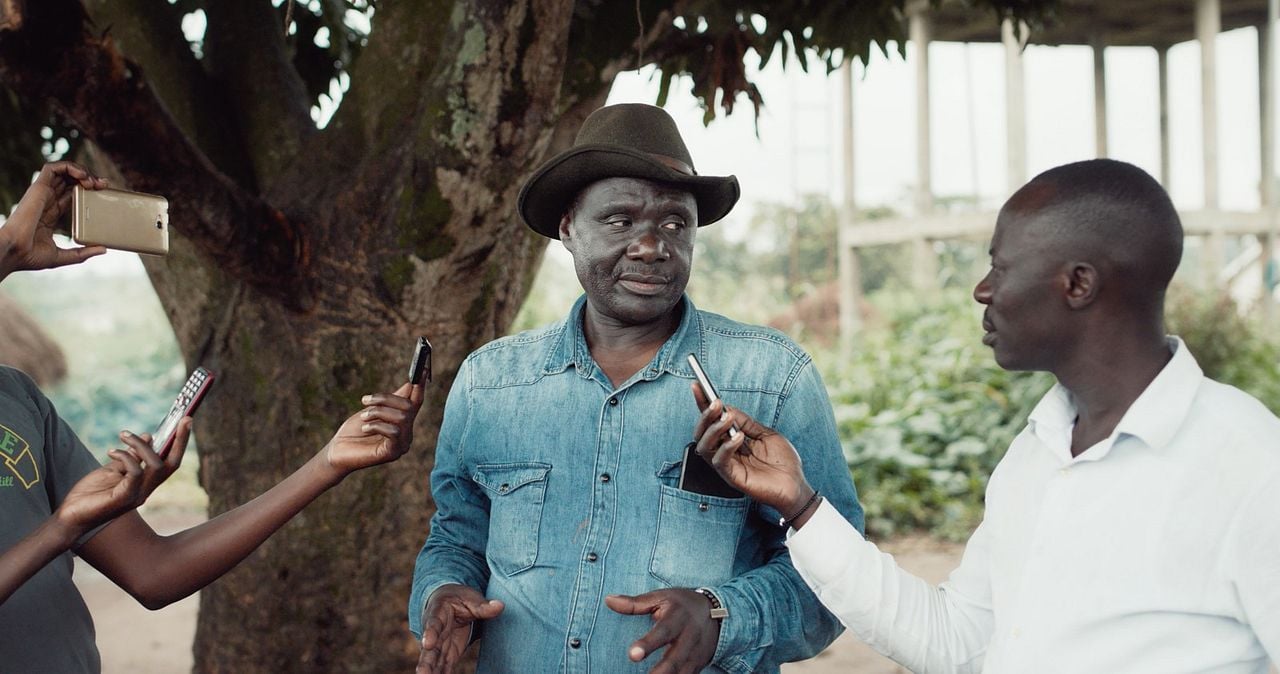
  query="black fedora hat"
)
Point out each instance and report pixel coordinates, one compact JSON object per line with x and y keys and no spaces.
{"x":629,"y":140}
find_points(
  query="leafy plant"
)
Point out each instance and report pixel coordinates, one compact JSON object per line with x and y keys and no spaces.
{"x":1230,"y":346}
{"x":924,"y":413}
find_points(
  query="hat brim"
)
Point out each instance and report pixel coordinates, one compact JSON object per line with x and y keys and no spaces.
{"x":550,"y":190}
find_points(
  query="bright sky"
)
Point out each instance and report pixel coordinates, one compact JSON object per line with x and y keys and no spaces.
{"x":798,"y":147}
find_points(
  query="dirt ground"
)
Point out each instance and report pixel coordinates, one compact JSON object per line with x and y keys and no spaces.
{"x":134,"y":640}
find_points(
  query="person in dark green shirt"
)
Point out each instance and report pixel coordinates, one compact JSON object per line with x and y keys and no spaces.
{"x":55,"y":500}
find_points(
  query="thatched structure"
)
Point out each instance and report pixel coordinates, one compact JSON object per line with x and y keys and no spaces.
{"x":24,"y":345}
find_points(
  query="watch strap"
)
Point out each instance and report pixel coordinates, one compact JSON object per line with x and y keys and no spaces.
{"x":718,"y":609}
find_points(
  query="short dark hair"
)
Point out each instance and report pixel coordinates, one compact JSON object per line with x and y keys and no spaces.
{"x":1115,"y":210}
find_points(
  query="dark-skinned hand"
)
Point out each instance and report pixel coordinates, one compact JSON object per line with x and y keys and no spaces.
{"x":768,"y":470}
{"x":380,"y":433}
{"x":124,"y":483}
{"x":681,"y":622}
{"x":447,"y":624}
{"x":26,"y":240}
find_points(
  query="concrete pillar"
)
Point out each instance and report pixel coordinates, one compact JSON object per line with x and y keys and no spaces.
{"x":1015,"y":105}
{"x":925,"y":265}
{"x":1100,"y":95}
{"x":919,"y":36}
{"x":1266,"y":117}
{"x":1267,"y":101}
{"x":1208,"y":25}
{"x":850,"y":278}
{"x":1162,"y":65}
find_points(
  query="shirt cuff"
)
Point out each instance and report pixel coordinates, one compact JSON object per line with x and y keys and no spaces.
{"x":735,"y":630}
{"x":825,"y":547}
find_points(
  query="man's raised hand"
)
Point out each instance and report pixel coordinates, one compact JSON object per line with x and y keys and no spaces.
{"x":769,"y":471}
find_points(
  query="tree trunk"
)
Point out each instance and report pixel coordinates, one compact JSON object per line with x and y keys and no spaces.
{"x":304,"y":263}
{"x":301,"y":273}
{"x":416,"y":234}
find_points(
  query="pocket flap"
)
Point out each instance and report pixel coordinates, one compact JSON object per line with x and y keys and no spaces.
{"x":504,"y":478}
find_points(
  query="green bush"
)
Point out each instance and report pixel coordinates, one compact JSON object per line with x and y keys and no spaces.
{"x":924,"y":413}
{"x":1231,"y":347}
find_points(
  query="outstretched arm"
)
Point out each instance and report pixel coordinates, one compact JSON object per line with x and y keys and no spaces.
{"x":123,"y":484}
{"x":925,"y":628}
{"x":127,"y":549}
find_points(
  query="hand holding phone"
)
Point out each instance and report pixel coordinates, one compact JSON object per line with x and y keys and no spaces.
{"x":420,"y":366}
{"x":119,"y":219}
{"x":708,"y":391}
{"x":184,"y":405}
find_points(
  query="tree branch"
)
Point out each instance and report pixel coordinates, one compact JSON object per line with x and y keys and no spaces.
{"x":150,"y":34}
{"x":53,"y":57}
{"x":244,"y":49}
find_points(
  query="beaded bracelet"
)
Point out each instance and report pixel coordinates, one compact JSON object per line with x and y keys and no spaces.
{"x":785,"y":522}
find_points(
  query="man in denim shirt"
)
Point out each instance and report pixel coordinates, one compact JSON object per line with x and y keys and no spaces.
{"x":561,"y":538}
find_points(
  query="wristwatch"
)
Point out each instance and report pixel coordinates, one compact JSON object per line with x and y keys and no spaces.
{"x":718,"y":610}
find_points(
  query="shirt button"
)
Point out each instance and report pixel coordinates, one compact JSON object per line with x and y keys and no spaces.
{"x":613,"y":402}
{"x":1063,"y":472}
{"x":703,"y":507}
{"x":1015,"y":633}
{"x":604,"y":477}
{"x":575,"y":642}
{"x":591,"y":557}
{"x":504,"y":488}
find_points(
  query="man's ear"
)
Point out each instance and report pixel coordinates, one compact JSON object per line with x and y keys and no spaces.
{"x":566,"y":235}
{"x":1082,"y":284}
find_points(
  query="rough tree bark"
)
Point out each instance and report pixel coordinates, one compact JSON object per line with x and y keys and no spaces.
{"x":305,"y":262}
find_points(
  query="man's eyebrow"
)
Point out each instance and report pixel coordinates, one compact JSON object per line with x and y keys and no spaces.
{"x":674,"y":200}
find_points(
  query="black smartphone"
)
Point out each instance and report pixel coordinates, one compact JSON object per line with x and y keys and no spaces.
{"x":184,"y":405}
{"x":700,"y":477}
{"x":420,"y":366}
{"x":708,"y":391}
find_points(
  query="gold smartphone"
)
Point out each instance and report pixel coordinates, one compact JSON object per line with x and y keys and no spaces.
{"x":120,"y":219}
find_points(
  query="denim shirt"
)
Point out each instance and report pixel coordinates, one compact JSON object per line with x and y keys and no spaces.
{"x":554,"y":489}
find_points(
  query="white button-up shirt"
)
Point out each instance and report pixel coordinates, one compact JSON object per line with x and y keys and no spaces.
{"x":1156,"y":550}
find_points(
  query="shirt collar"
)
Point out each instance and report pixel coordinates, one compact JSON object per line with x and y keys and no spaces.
{"x":1154,"y":417}
{"x":571,"y":348}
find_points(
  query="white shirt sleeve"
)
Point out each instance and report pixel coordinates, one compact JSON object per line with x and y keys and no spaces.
{"x":1252,"y":550}
{"x":924,"y":628}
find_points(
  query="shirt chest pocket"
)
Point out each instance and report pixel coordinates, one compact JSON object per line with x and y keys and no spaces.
{"x":516,"y":493}
{"x":697,"y":536}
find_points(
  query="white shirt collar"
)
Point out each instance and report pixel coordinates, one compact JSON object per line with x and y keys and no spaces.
{"x":1153,"y":418}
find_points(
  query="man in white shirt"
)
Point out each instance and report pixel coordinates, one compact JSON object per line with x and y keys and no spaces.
{"x":1133,"y":525}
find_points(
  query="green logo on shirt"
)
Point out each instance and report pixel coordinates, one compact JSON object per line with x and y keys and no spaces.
{"x":16,"y":453}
